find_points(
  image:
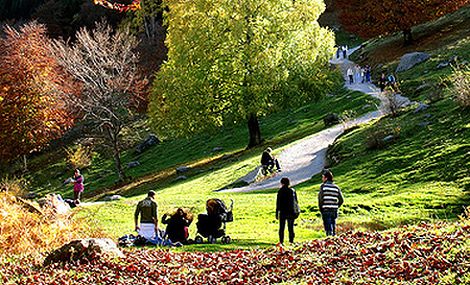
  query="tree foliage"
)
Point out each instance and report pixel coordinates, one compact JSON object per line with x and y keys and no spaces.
{"x":105,"y":63}
{"x":232,"y":61}
{"x":33,"y":107}
{"x":370,"y":18}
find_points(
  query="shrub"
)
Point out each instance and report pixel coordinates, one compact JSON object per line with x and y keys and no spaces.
{"x":14,"y":186}
{"x":392,"y":102}
{"x":347,"y":119}
{"x":79,"y":157}
{"x":28,"y":230}
{"x":460,"y":79}
{"x":376,"y":136}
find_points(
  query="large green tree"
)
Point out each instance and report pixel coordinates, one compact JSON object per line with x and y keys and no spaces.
{"x":231,"y":61}
{"x":370,"y":18}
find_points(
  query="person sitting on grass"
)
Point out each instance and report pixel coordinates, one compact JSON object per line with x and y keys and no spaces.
{"x":177,"y":225}
{"x":268,"y":161}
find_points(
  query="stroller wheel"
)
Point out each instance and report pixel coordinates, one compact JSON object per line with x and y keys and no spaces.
{"x":212,"y":239}
{"x":198,"y":239}
{"x":226,"y":240}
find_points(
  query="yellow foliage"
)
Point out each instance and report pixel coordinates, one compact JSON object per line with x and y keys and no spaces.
{"x":27,"y":232}
{"x":80,"y":157}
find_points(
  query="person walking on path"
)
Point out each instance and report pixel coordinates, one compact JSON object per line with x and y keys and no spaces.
{"x":367,"y":71}
{"x":357,"y":74}
{"x":78,"y":187}
{"x":382,"y":82}
{"x":330,"y":199}
{"x":287,"y":209}
{"x":350,"y":75}
{"x":345,"y":52}
{"x":148,"y":211}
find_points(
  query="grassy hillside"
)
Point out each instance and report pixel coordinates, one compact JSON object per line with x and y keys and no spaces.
{"x":420,"y":173}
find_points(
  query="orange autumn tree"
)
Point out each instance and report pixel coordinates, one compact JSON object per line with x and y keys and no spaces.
{"x":370,"y":18}
{"x":33,"y":109}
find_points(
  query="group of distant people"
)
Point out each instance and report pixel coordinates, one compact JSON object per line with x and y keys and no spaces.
{"x":358,"y":74}
{"x":388,"y":81}
{"x":341,"y":52}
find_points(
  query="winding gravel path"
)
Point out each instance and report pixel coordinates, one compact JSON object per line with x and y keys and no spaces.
{"x":302,"y":159}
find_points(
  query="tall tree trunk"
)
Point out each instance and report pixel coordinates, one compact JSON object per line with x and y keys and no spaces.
{"x":113,"y":136}
{"x":25,"y":164}
{"x":407,"y":37}
{"x":255,"y":131}
{"x":117,"y":158}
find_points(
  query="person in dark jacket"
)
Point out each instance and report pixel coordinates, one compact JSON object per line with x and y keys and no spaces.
{"x":286,"y":197}
{"x":177,"y":225}
{"x":269,"y":161}
{"x":330,"y":199}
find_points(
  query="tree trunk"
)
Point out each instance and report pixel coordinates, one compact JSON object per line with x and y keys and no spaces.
{"x":117,"y":158}
{"x":255,"y":131}
{"x":407,"y":37}
{"x":25,"y":164}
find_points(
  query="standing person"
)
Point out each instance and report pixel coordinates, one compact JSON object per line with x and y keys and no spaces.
{"x":78,"y":187}
{"x":350,"y":74}
{"x":338,"y":52}
{"x":148,"y":210}
{"x":330,"y":199}
{"x":345,"y":52}
{"x":357,"y":73}
{"x":392,"y":82}
{"x":286,"y":209}
{"x":177,"y":225}
{"x":382,"y":82}
{"x":269,"y":161}
{"x":368,"y":71}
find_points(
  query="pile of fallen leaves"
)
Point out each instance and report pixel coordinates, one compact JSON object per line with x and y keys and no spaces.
{"x":423,"y":254}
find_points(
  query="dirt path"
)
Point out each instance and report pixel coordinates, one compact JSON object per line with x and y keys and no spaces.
{"x":302,"y":159}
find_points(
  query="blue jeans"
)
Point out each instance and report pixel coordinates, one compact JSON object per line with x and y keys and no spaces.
{"x":329,"y":222}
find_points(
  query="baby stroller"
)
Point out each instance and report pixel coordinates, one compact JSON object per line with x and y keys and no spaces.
{"x":210,"y":224}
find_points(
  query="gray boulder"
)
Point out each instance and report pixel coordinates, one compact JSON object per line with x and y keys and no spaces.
{"x":330,"y":119}
{"x":151,"y":140}
{"x":422,"y":87}
{"x":92,"y":248}
{"x":421,"y":107}
{"x":112,"y":198}
{"x":180,"y":178}
{"x":133,"y":164}
{"x":411,"y":59}
{"x":182,"y":169}
{"x":217,"y":149}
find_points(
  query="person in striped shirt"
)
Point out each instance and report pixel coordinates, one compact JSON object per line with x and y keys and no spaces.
{"x":330,"y":199}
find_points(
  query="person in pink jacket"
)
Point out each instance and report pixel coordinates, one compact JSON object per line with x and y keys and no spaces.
{"x":77,"y":185}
